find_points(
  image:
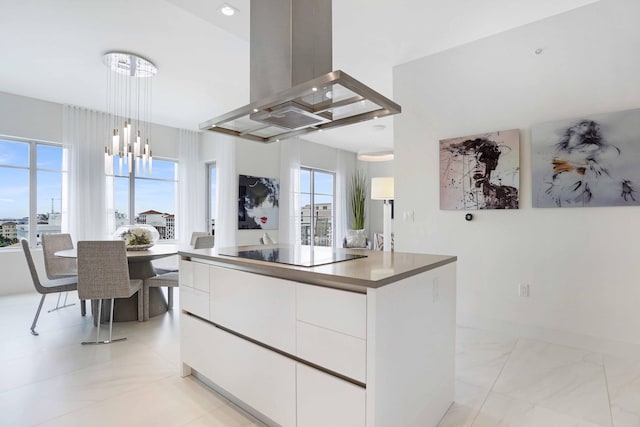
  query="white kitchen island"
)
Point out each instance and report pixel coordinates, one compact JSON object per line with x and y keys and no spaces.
{"x":364,"y":342}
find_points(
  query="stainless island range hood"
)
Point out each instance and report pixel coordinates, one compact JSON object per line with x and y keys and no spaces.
{"x":293,"y":89}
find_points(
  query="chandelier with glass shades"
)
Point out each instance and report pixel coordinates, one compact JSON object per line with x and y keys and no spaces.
{"x":129,"y":83}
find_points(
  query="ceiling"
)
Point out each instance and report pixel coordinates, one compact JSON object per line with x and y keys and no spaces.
{"x":53,"y":50}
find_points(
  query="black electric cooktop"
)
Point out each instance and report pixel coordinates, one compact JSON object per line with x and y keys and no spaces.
{"x":303,"y":256}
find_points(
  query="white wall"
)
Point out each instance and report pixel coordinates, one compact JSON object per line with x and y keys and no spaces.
{"x":581,"y":263}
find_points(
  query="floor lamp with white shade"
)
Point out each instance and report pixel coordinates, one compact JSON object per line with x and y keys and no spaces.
{"x":382,"y":189}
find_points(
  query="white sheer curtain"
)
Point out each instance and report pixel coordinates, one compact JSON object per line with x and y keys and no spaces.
{"x":192,"y":189}
{"x":85,"y":132}
{"x":344,"y":169}
{"x":289,"y":204}
{"x":227,"y":194}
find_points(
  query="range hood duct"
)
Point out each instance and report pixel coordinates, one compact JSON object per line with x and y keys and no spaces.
{"x":293,"y":89}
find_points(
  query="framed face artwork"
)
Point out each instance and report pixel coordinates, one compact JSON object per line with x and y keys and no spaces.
{"x":586,"y":161}
{"x":480,"y":171}
{"x":258,"y":203}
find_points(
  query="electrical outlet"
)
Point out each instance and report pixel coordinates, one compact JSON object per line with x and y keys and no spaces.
{"x":523,"y":290}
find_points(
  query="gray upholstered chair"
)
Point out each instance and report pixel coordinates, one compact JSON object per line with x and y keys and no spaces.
{"x":103,"y":273}
{"x":59,"y":267}
{"x":203,"y":242}
{"x":194,"y":236}
{"x":197,"y":234}
{"x":45,"y":287}
{"x":170,"y":280}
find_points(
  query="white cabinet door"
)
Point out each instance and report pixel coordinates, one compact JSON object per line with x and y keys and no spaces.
{"x":341,"y":353}
{"x":194,"y":288}
{"x":324,"y":400}
{"x":262,"y":379}
{"x":186,"y":273}
{"x":334,"y":309}
{"x":201,"y":276}
{"x":194,"y":301}
{"x":260,"y":307}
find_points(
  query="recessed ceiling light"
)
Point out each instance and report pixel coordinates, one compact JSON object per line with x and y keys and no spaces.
{"x":228,"y":10}
{"x":377,"y":156}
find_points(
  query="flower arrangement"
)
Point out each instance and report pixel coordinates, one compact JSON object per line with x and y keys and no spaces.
{"x":136,"y":237}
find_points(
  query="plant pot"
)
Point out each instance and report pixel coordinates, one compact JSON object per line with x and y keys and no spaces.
{"x":356,"y":239}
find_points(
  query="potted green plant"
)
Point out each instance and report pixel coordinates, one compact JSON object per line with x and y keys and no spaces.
{"x":357,"y":237}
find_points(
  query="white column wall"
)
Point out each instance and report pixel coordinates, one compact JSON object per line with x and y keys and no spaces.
{"x":581,"y":263}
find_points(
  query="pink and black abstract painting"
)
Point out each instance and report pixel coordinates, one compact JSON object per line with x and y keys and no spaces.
{"x":480,"y":171}
{"x":587,"y":161}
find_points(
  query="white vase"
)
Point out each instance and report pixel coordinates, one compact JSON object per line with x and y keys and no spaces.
{"x":356,"y":239}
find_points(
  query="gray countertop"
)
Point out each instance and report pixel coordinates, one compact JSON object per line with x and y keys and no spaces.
{"x":376,"y":270}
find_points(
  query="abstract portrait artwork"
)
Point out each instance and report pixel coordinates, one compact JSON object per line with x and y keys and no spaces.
{"x":480,"y":171}
{"x":258,"y":203}
{"x":587,"y":161}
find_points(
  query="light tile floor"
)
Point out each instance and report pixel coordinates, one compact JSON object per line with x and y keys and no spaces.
{"x":51,"y":380}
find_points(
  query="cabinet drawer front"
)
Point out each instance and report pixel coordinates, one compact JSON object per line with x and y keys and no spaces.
{"x":262,"y":379}
{"x":194,"y":301}
{"x":324,"y":400}
{"x":260,"y":307}
{"x":344,"y":354}
{"x":186,"y":273}
{"x":341,"y":311}
{"x":201,"y":276}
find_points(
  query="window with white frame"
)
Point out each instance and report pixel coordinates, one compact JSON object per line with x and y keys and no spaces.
{"x":34,"y":178}
{"x":317,"y":201}
{"x":146,"y":197}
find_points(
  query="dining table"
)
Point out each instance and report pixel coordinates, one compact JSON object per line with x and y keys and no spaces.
{"x":140,"y":267}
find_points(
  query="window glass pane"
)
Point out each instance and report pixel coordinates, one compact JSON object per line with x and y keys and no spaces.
{"x":162,"y":169}
{"x":14,"y":153}
{"x":49,"y":204}
{"x":120,"y":168}
{"x":322,"y":201}
{"x":49,"y":157}
{"x":305,"y":225}
{"x":323,"y":183}
{"x":14,"y":204}
{"x":155,"y":205}
{"x":316,"y":207}
{"x":305,"y":181}
{"x":305,"y":200}
{"x":121,"y":201}
{"x":323,"y":220}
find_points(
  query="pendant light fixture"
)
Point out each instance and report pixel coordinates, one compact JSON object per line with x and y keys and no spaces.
{"x":129,"y":84}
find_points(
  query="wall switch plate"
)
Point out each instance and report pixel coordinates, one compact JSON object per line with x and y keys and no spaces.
{"x":523,"y":290}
